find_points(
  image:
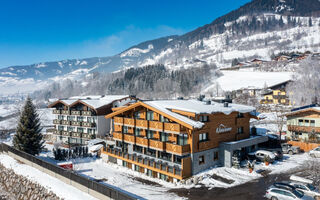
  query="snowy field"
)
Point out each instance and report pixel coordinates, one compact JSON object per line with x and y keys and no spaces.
{"x":45,"y":114}
{"x":235,"y":80}
{"x":60,"y":188}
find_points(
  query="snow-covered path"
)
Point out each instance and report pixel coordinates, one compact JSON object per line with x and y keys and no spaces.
{"x":53,"y":184}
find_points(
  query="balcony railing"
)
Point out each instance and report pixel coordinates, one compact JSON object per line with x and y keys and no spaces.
{"x":142,"y":141}
{"x":86,"y":135}
{"x":86,"y":113}
{"x":65,"y":112}
{"x":157,"y":144}
{"x":179,"y":149}
{"x":153,"y":125}
{"x":75,"y":112}
{"x":76,"y":134}
{"x":56,"y":121}
{"x":75,"y":123}
{"x":88,"y":124}
{"x":66,"y":122}
{"x":164,"y":167}
{"x":117,"y":135}
{"x":56,"y":132}
{"x":306,"y":129}
{"x":66,"y":133}
{"x":58,"y":112}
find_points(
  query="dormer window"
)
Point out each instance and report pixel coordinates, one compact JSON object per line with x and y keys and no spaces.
{"x":203,"y":118}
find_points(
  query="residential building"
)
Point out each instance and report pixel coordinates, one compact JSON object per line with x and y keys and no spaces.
{"x":175,"y":139}
{"x":79,"y":119}
{"x":276,"y":94}
{"x":304,"y":123}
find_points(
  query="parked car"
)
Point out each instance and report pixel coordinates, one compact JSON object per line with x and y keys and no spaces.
{"x":277,"y":152}
{"x":289,"y":149}
{"x":315,"y":152}
{"x":306,"y":188}
{"x":285,"y":193}
{"x":261,"y":154}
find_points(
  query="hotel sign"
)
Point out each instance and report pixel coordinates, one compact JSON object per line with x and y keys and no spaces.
{"x":223,"y":129}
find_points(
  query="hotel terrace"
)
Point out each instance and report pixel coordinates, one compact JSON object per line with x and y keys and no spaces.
{"x":79,"y":119}
{"x":175,"y":139}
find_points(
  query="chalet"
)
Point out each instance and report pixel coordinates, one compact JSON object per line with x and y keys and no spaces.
{"x":257,"y":61}
{"x":175,"y":139}
{"x":79,"y":119}
{"x":282,"y":58}
{"x":276,"y":94}
{"x":304,"y":123}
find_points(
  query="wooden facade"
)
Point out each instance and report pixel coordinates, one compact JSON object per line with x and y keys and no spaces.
{"x":217,"y":128}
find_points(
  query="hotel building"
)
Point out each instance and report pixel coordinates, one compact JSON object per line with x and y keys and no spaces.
{"x":79,"y":119}
{"x":175,"y":139}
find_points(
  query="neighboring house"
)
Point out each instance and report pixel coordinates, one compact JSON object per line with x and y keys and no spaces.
{"x":257,"y":61}
{"x":175,"y":139}
{"x":79,"y":119}
{"x":304,"y":123}
{"x":276,"y":94}
{"x":282,"y":58}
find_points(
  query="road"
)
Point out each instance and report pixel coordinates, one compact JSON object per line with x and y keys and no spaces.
{"x":251,"y":190}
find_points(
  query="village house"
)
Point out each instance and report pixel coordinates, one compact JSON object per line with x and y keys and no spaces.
{"x":79,"y":119}
{"x":276,"y":94}
{"x":175,"y":139}
{"x":304,"y":123}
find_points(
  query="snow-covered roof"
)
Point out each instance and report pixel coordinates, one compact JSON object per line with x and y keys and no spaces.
{"x":94,"y":101}
{"x":195,"y":106}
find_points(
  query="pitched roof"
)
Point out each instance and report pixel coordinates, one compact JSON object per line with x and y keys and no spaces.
{"x":193,"y":106}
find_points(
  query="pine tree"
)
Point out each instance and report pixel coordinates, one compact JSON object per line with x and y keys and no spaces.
{"x":28,"y":137}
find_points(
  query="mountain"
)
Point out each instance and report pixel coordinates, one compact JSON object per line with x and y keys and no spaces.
{"x":256,"y":30}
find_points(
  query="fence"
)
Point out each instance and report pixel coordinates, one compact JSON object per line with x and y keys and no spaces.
{"x":98,"y":190}
{"x":304,"y":146}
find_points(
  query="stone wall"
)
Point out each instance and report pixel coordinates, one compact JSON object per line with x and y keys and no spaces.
{"x":20,"y":188}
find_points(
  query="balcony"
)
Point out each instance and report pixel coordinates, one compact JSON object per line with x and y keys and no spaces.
{"x":204,"y":145}
{"x":173,"y":127}
{"x":154,"y":125}
{"x":118,"y":120}
{"x":142,"y":141}
{"x":88,"y":124}
{"x":65,"y":112}
{"x":66,"y":133}
{"x":128,"y":122}
{"x":86,"y":135}
{"x":157,"y":144}
{"x":57,"y":112}
{"x":66,"y":122}
{"x":117,"y":135}
{"x":75,"y":123}
{"x":86,"y":113}
{"x":56,"y":132}
{"x":177,"y":149}
{"x":141,"y":123}
{"x":305,"y":129}
{"x":165,"y":167}
{"x":56,"y":121}
{"x":75,"y":112}
{"x":76,"y":134}
{"x":128,"y":138}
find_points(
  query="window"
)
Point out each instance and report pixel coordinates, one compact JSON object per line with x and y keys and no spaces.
{"x":165,"y":156}
{"x":240,"y":115}
{"x":136,"y":168}
{"x":163,"y":119}
{"x":312,"y":122}
{"x":182,"y":139}
{"x":203,"y":118}
{"x":137,"y":115}
{"x":124,"y":129}
{"x":80,"y":130}
{"x":163,"y":177}
{"x":201,"y":160}
{"x":149,"y":172}
{"x":306,"y":122}
{"x":91,"y":131}
{"x":70,"y":128}
{"x":177,"y":159}
{"x":240,"y":130}
{"x":80,"y":119}
{"x":203,"y":137}
{"x":216,"y":156}
{"x":164,"y":137}
{"x":150,"y":152}
{"x":300,"y":122}
{"x":150,"y":115}
{"x":60,"y":128}
{"x":137,"y":148}
{"x":137,"y":131}
{"x":150,"y":134}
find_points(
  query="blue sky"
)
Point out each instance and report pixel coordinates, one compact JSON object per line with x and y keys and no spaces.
{"x":49,"y":30}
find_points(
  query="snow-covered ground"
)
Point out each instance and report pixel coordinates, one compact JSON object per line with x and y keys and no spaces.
{"x":235,"y":80}
{"x":60,"y":188}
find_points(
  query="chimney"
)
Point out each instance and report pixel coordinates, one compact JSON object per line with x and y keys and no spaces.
{"x":225,"y":104}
